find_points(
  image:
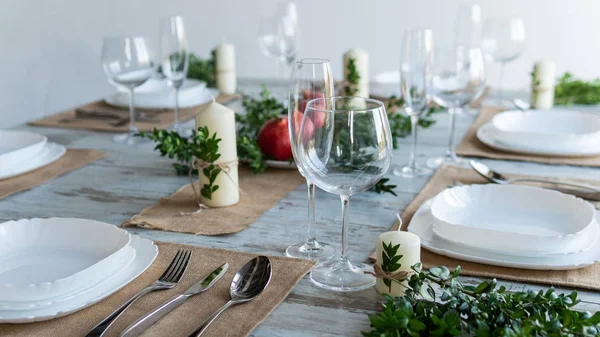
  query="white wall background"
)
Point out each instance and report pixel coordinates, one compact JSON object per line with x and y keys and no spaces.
{"x":50,"y":48}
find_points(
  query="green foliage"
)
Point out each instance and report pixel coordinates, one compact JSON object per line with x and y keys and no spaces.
{"x":203,"y":69}
{"x":400,"y":124}
{"x":353,"y":77}
{"x":390,"y":261}
{"x":249,"y":150}
{"x":258,"y":112}
{"x":570,"y":90}
{"x":484,"y":310}
{"x":199,"y":145}
{"x":383,"y":187}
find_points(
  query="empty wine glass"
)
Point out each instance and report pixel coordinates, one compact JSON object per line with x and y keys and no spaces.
{"x":458,"y":78}
{"x":311,"y":78}
{"x":277,"y":38}
{"x":467,"y":34}
{"x":503,"y":41}
{"x":415,"y":75}
{"x":174,"y":57}
{"x":128,"y":62}
{"x":345,"y":154}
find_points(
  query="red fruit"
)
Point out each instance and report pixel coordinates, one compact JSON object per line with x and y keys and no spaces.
{"x":274,"y":139}
{"x":309,"y":129}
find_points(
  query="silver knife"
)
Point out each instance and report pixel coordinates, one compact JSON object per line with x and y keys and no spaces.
{"x":146,"y":321}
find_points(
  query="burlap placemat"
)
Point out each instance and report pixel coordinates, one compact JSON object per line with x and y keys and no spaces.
{"x":586,"y":278}
{"x":470,"y":146}
{"x":238,"y":320}
{"x":160,"y":119}
{"x":71,"y":160}
{"x":259,"y":193}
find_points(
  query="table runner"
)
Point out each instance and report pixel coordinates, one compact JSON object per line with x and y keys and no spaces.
{"x":71,"y":160}
{"x":470,"y":146}
{"x":586,"y":278}
{"x":259,"y":192}
{"x":238,"y":320}
{"x":160,"y":119}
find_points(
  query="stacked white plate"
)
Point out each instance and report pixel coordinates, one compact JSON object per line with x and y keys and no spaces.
{"x":23,"y":151}
{"x":510,"y":226}
{"x":53,"y":267}
{"x":543,"y":132}
{"x":157,"y":94}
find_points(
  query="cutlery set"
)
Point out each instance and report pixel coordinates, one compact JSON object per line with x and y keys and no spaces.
{"x":248,"y":283}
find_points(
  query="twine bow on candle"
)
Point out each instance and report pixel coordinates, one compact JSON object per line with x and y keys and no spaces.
{"x":199,"y":165}
{"x":397,"y":276}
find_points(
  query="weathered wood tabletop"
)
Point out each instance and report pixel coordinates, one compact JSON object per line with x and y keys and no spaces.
{"x":131,"y":178}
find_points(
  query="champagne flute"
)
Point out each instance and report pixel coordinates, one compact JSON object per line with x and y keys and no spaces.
{"x":347,"y":154}
{"x":467,"y":34}
{"x":415,"y":75}
{"x":175,"y":57}
{"x":458,"y":78}
{"x":503,"y":41}
{"x":311,"y":78}
{"x":128,"y":62}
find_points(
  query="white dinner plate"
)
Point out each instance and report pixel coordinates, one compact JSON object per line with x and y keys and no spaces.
{"x":161,"y":96}
{"x":548,"y":130}
{"x":146,"y":252}
{"x":487,"y":135}
{"x":16,"y":146}
{"x":47,"y":155}
{"x":41,"y":259}
{"x":282,"y":164}
{"x":514,"y":218}
{"x":422,"y":225}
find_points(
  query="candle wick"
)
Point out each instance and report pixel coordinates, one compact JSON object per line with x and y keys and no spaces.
{"x":400,"y":221}
{"x":209,"y":94}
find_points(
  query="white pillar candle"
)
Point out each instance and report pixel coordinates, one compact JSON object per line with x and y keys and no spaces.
{"x":542,"y":84}
{"x":220,"y":119}
{"x":225,"y":68}
{"x":361,"y":60}
{"x":410,"y":249}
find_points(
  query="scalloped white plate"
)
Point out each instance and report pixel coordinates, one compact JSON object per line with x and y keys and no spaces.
{"x":17,"y":146}
{"x":50,"y":153}
{"x":146,"y":252}
{"x":44,"y":258}
{"x":514,"y":218}
{"x":422,"y":225}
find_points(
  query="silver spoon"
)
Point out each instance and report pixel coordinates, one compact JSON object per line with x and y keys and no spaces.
{"x":247,"y":283}
{"x":498,"y":178}
{"x":521,"y":104}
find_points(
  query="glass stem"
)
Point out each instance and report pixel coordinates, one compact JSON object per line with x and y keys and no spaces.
{"x":500,"y":80}
{"x":414,"y":120}
{"x":311,"y":241}
{"x":132,"y":128}
{"x":450,"y":155}
{"x":176,"y":121}
{"x":345,"y":201}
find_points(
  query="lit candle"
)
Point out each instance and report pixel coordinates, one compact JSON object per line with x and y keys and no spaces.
{"x":542,"y":84}
{"x":361,"y":61}
{"x":410,"y":249}
{"x":225,"y":68}
{"x":221,"y":120}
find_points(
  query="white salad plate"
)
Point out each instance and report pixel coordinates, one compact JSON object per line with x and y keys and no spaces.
{"x":50,"y":153}
{"x":157,"y":94}
{"x":514,"y":218}
{"x":16,"y":146}
{"x":422,"y":225}
{"x":41,"y":259}
{"x":146,"y":251}
{"x":547,"y":130}
{"x":488,"y":135}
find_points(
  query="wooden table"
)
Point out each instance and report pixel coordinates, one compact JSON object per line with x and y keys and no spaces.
{"x":130,"y":179}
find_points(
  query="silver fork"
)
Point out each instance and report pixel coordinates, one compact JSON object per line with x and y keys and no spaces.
{"x":167,"y":280}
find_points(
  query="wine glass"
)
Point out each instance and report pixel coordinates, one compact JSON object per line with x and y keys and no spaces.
{"x":311,"y":78}
{"x":174,"y":57}
{"x":415,"y":75}
{"x":347,"y":153}
{"x":458,"y":78}
{"x":277,"y":38}
{"x":467,"y":33}
{"x":503,"y":40}
{"x":128,"y":62}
